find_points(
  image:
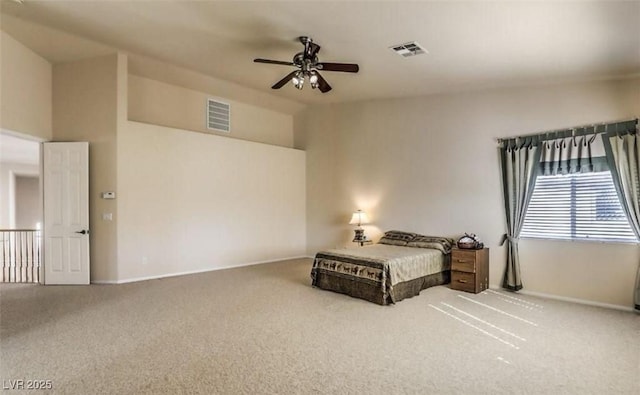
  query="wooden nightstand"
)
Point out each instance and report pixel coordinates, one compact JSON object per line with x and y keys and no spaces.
{"x":470,"y":270}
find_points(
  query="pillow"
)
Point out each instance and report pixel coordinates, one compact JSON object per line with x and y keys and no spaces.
{"x":396,"y":238}
{"x":442,"y":244}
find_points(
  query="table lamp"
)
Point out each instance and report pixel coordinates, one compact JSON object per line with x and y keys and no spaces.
{"x":359,"y":218}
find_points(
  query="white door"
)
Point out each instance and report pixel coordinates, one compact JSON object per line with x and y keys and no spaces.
{"x":66,"y":213}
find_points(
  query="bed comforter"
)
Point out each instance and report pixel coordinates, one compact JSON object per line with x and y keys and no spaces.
{"x":380,"y":273}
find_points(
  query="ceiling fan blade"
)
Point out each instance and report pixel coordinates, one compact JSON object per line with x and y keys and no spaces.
{"x":284,"y":81}
{"x":323,"y":85}
{"x":273,"y":62}
{"x":345,"y":67}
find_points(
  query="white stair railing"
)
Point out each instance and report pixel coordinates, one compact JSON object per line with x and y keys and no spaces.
{"x":20,"y":252}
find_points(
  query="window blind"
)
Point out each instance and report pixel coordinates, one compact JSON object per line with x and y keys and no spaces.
{"x":581,"y":206}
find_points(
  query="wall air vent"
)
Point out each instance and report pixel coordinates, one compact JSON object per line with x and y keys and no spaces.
{"x":218,"y":116}
{"x":408,"y":49}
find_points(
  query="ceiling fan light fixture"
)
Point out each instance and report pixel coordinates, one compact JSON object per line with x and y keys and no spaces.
{"x":298,"y":80}
{"x":313,"y":79}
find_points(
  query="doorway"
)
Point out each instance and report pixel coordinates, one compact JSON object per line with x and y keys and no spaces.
{"x":20,"y":208}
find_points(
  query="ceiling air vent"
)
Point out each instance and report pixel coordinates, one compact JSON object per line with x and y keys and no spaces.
{"x":408,"y":49}
{"x":218,"y":116}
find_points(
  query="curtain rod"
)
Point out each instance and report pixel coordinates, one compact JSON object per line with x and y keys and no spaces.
{"x":554,"y":133}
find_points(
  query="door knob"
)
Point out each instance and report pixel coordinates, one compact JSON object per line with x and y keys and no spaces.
{"x":83,"y":232}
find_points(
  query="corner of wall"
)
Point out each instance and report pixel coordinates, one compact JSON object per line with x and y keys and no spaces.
{"x":122,"y":97}
{"x":85,"y":108}
{"x":122,"y":89}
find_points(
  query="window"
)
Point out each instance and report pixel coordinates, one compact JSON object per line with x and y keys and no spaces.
{"x":582,"y":206}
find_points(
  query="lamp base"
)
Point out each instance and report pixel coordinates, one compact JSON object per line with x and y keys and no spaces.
{"x":359,"y":236}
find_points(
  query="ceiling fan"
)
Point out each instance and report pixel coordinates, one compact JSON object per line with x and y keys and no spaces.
{"x":308,"y":66}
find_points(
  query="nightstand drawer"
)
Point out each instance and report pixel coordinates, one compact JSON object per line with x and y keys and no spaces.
{"x":463,"y":281}
{"x":463,"y":265}
{"x":463,"y":261}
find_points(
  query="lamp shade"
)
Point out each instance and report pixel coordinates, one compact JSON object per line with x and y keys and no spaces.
{"x":358,"y":218}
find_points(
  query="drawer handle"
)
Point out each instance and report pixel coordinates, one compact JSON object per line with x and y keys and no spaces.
{"x":464,"y":261}
{"x":462,"y":281}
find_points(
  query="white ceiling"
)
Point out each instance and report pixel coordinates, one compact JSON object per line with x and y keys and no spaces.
{"x":472,"y":45}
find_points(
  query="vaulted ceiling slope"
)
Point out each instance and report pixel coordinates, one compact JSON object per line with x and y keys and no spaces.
{"x":472,"y":45}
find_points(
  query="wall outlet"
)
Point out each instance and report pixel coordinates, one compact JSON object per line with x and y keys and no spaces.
{"x":145,"y":260}
{"x":107,"y":216}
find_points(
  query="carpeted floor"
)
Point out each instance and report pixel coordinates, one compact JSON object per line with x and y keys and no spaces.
{"x":263,"y":329}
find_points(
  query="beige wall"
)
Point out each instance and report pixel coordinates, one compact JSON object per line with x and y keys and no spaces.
{"x":167,"y":216}
{"x":25,"y":89}
{"x":27,"y":190}
{"x":85,"y":108}
{"x":179,"y":76}
{"x":192,"y":202}
{"x":430,"y":165}
{"x":159,"y":103}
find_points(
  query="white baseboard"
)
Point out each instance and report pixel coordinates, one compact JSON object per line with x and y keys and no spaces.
{"x":136,"y":279}
{"x":568,"y":299}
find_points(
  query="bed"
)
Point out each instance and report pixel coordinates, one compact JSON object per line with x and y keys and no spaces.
{"x":400,"y":266}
